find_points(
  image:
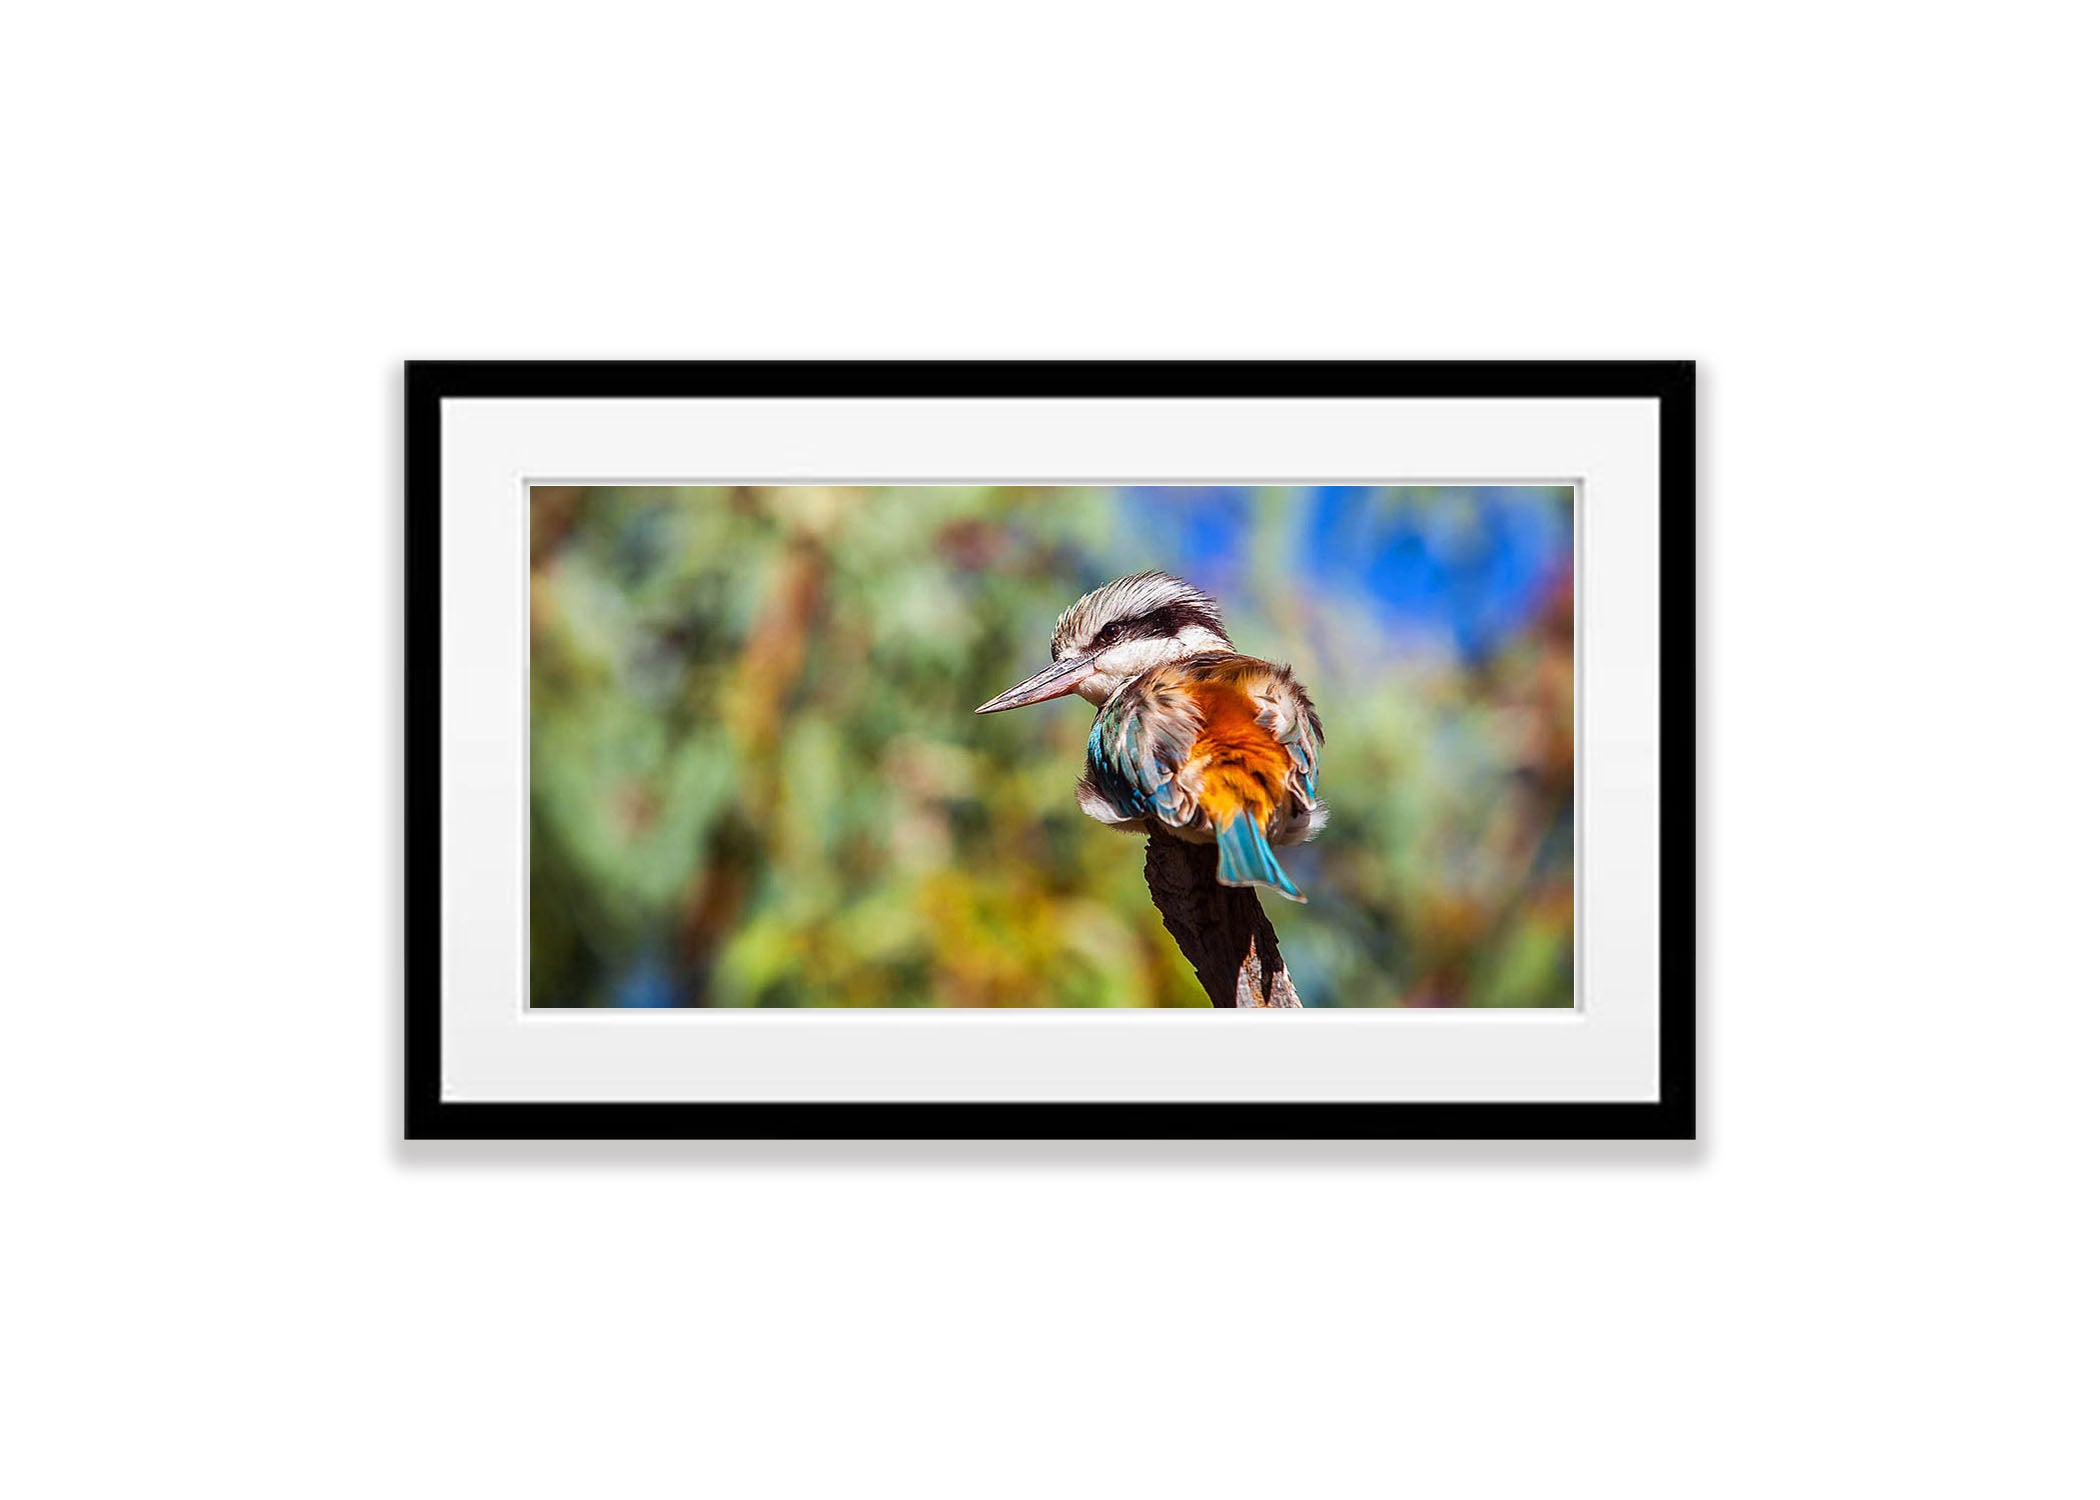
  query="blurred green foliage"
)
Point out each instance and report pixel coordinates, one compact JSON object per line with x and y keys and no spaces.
{"x":757,"y":778}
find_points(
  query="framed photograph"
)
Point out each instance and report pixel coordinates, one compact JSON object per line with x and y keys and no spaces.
{"x":904,"y":750}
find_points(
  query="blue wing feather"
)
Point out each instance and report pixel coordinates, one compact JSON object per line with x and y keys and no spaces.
{"x":1137,"y":744}
{"x":1105,"y":767}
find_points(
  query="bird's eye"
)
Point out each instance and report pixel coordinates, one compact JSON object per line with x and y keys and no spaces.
{"x":1108,"y":634}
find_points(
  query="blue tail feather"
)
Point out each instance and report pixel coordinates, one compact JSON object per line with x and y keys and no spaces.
{"x":1245,"y":858}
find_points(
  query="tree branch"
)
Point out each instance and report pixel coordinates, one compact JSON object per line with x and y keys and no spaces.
{"x":1221,"y":929}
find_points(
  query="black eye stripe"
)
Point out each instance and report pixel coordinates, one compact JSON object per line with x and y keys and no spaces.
{"x":1164,"y":623}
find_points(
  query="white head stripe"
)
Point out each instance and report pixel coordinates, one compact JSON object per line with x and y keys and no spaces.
{"x":1129,"y":599}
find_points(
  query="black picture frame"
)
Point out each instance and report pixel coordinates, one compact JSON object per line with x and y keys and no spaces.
{"x":1672,"y":1115}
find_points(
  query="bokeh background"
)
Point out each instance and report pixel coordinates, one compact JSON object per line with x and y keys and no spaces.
{"x":757,"y":778}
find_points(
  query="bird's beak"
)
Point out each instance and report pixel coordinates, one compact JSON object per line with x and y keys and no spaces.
{"x":1054,"y":681}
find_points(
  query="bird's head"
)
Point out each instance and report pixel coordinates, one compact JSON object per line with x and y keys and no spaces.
{"x":1119,"y":630}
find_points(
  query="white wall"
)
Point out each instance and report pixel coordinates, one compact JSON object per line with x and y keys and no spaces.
{"x":228,"y":224}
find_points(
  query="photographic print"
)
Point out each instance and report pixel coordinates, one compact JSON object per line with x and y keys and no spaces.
{"x":878,"y":745}
{"x":1049,"y":749}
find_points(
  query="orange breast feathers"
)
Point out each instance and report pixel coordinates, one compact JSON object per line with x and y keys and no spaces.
{"x":1237,"y":767}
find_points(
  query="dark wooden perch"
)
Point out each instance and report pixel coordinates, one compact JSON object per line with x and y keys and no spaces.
{"x":1221,"y":929}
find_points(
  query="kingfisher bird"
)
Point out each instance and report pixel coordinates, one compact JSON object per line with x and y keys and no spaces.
{"x":1190,"y":737}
